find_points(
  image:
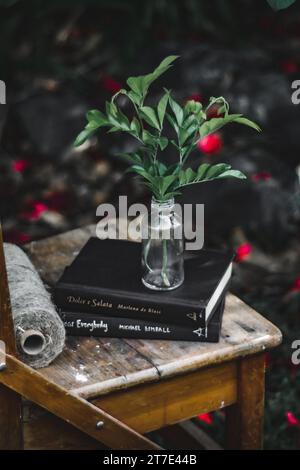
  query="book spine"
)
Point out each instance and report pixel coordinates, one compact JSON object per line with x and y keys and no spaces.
{"x":77,"y":324}
{"x":115,"y":305}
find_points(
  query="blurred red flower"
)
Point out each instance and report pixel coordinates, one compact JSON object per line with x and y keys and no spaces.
{"x":35,"y":210}
{"x":15,"y":236}
{"x":20,"y":165}
{"x":206,"y":418}
{"x":296,"y":285}
{"x":195,"y":96}
{"x":242,"y":252}
{"x":292,"y":420}
{"x":58,"y":200}
{"x":110,"y":84}
{"x":210,"y":144}
{"x":261,"y":176}
{"x":289,"y":66}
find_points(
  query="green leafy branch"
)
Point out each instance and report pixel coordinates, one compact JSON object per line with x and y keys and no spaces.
{"x":189,"y":124}
{"x":280,"y":4}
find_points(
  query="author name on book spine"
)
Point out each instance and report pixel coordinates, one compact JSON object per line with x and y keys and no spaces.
{"x":95,"y":303}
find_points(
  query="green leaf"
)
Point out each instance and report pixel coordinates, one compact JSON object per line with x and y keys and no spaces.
{"x":134,"y":97}
{"x":161,"y":108}
{"x":164,"y":65}
{"x":111,"y":109}
{"x":247,"y":122}
{"x":280,"y":4}
{"x":216,"y":170}
{"x":183,"y":136}
{"x":83,"y":136}
{"x":187,"y":176}
{"x":140,"y":84}
{"x":190,"y":175}
{"x":182,"y":179}
{"x":164,"y":182}
{"x":135,"y":126}
{"x":173,"y":169}
{"x":202,"y":169}
{"x":163,"y":142}
{"x":136,"y":85}
{"x":207,"y":172}
{"x":233,"y":174}
{"x":139,"y":170}
{"x":150,"y":117}
{"x":94,"y":115}
{"x":171,"y":194}
{"x":149,"y":139}
{"x":92,"y":125}
{"x":162,"y":168}
{"x":162,"y":68}
{"x":215,"y":124}
{"x":116,"y":117}
{"x":173,"y":122}
{"x":131,"y":158}
{"x":113,"y":129}
{"x":173,"y":142}
{"x":177,"y":110}
{"x":190,"y":120}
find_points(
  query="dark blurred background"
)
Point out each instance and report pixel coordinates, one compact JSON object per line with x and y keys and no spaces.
{"x":62,"y":57}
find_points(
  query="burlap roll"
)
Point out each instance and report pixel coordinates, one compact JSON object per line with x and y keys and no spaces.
{"x":40,"y":334}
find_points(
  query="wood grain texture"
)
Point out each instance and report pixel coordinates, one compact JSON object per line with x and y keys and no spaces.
{"x":11,"y":435}
{"x":11,"y":429}
{"x":153,"y":406}
{"x":7,"y":332}
{"x":244,"y":420}
{"x":91,"y":367}
{"x":74,"y":410}
{"x":45,"y":431}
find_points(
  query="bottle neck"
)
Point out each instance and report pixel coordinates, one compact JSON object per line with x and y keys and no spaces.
{"x":162,"y":205}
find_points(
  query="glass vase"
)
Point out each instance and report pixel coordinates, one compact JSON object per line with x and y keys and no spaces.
{"x":162,"y":246}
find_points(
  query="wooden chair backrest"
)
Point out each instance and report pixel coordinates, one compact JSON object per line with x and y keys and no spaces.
{"x":7,"y":333}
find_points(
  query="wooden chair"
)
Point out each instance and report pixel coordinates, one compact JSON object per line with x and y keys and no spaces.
{"x":116,"y":390}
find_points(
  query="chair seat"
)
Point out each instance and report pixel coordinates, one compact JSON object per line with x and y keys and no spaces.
{"x":96,"y":366}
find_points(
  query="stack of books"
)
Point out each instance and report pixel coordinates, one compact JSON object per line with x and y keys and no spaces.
{"x":101,"y":294}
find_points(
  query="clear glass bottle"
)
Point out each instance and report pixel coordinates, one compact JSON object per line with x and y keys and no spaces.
{"x":162,"y":246}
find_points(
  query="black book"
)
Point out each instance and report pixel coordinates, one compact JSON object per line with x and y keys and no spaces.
{"x":105,"y":278}
{"x":88,"y":324}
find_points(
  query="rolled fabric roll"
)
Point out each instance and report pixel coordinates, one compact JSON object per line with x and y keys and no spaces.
{"x":40,"y":333}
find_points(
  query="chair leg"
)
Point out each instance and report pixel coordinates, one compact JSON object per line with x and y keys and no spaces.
{"x":75,"y":410}
{"x":245,"y":419}
{"x":11,"y":426}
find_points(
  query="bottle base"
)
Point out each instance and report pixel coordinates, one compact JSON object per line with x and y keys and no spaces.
{"x":154,"y":282}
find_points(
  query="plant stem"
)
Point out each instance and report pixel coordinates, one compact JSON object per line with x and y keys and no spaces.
{"x":146,"y":253}
{"x":165,"y":264}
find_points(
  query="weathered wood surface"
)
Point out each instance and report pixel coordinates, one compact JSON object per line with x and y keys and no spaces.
{"x":7,"y":332}
{"x":85,"y":416}
{"x":153,"y":406}
{"x":10,"y":402}
{"x":92,"y":367}
{"x":245,"y":419}
{"x":44,"y":431}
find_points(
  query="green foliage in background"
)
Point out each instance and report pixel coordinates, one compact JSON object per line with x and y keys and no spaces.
{"x":280,"y":4}
{"x":35,"y":34}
